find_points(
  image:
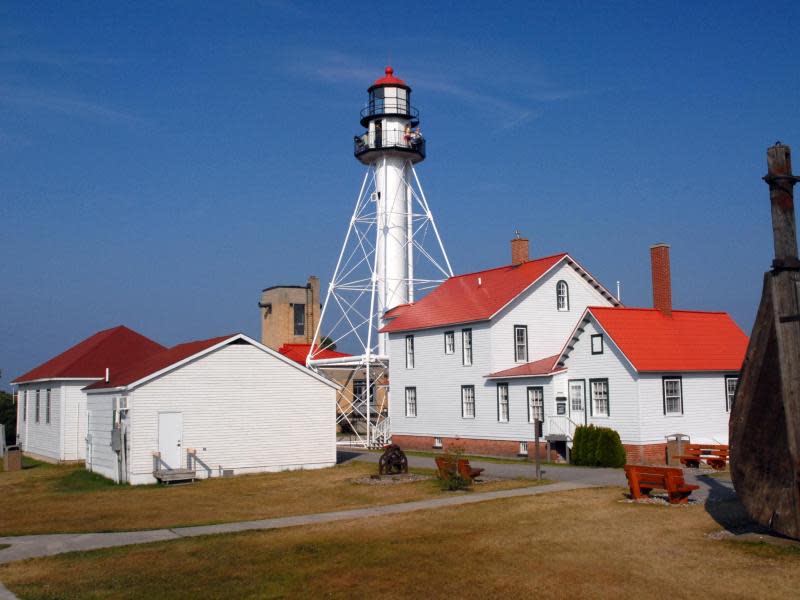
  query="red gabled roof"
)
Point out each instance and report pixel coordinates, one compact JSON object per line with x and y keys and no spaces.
{"x":156,"y":362}
{"x":543,"y":366}
{"x":389,"y":79}
{"x":299,"y":352}
{"x":111,"y":348}
{"x":461,"y":299}
{"x":686,"y":341}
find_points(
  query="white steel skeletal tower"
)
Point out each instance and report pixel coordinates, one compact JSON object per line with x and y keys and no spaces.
{"x":391,"y":254}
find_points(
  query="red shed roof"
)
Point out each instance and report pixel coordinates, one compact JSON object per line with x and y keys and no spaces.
{"x":111,"y":348}
{"x":686,"y":341}
{"x":156,"y":362}
{"x":299,"y":352}
{"x":543,"y":366}
{"x":389,"y":79}
{"x":475,"y":296}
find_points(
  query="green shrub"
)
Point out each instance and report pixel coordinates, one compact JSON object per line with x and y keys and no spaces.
{"x":453,"y":481}
{"x":610,"y":452}
{"x":597,"y":447}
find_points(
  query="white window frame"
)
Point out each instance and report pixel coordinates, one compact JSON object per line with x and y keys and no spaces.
{"x":730,"y":395}
{"x":521,"y":343}
{"x":670,"y":408}
{"x":595,"y":401}
{"x":502,"y":403}
{"x":409,"y":352}
{"x":535,"y":405}
{"x":579,"y":384}
{"x":449,"y":342}
{"x":466,"y":347}
{"x":411,"y":401}
{"x":562,"y":295}
{"x":467,"y":401}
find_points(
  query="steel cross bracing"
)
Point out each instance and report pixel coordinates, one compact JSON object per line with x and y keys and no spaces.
{"x":353,"y":309}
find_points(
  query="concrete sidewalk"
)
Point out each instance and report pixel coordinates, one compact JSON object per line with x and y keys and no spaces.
{"x":30,"y":546}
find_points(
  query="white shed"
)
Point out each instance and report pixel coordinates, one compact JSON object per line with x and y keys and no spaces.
{"x":51,"y":403}
{"x":222,"y":406}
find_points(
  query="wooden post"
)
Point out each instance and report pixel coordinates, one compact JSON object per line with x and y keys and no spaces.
{"x":765,"y":417}
{"x":781,"y":181}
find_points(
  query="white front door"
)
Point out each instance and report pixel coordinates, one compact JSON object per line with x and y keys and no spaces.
{"x":577,"y":401}
{"x":170,"y":433}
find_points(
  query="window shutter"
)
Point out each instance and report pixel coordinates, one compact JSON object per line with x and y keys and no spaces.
{"x":681,"y":384}
{"x":591,"y":399}
{"x":608,"y":398}
{"x":664,"y":396}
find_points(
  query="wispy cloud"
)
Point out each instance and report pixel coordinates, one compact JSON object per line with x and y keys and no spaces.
{"x":50,"y":59}
{"x":511,"y":110}
{"x":57,"y":102}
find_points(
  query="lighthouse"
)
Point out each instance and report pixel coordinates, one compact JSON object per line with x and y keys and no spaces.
{"x":392,"y":253}
{"x":390,"y":145}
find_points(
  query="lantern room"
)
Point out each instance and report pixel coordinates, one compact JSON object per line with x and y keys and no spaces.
{"x":392,"y":124}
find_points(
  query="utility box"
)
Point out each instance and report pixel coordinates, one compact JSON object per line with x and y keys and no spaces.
{"x":12,"y":461}
{"x":675,"y":445}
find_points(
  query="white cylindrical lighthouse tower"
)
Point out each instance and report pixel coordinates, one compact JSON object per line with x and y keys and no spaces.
{"x":392,"y":252}
{"x":391,"y":143}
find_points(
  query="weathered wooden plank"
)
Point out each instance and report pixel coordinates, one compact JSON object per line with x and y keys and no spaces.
{"x":765,"y":418}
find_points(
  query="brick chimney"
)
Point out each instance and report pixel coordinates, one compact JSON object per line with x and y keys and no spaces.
{"x":519,"y":250}
{"x":662,"y":283}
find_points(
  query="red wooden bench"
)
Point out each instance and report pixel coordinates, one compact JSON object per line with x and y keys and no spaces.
{"x":715,"y":455}
{"x":643,"y":479}
{"x":447,"y":467}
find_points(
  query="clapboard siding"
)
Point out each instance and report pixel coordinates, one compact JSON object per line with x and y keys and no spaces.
{"x":536,"y":308}
{"x":102,"y":459}
{"x":42,"y":439}
{"x":704,"y":418}
{"x":243,"y":409}
{"x":623,"y":391}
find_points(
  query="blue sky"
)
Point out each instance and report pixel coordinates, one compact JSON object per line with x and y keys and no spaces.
{"x":161,"y":163}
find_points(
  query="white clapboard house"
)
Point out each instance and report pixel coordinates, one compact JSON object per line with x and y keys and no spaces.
{"x":217,"y":407}
{"x":484,"y":354}
{"x":51,"y":403}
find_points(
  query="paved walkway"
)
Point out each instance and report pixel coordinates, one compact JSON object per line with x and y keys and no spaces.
{"x":714,"y":489}
{"x":30,"y":546}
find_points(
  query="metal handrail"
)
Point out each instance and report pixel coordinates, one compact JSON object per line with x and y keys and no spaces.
{"x":391,"y":139}
{"x":400,"y":107}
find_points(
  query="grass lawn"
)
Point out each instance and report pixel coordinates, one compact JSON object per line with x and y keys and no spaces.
{"x":579,"y":544}
{"x":48,"y":498}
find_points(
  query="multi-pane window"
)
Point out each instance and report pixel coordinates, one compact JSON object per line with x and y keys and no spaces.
{"x":409,"y":352}
{"x":411,"y":402}
{"x":38,"y":406}
{"x":576,"y":391}
{"x":562,"y":295}
{"x":466,"y":347}
{"x":468,"y":401}
{"x":360,"y":390}
{"x":299,"y":319}
{"x":730,"y":391}
{"x":502,"y":402}
{"x":535,"y":404}
{"x":523,"y":448}
{"x":449,"y":342}
{"x":25,"y":405}
{"x":47,"y":407}
{"x":520,"y":343}
{"x":673,"y":396}
{"x":599,"y":389}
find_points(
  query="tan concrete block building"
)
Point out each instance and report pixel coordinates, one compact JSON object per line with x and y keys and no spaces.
{"x":289,"y":313}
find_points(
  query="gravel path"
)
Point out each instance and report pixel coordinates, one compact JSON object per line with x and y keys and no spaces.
{"x":711,"y":488}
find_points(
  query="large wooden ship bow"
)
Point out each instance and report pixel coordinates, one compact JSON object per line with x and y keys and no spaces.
{"x":765,"y":417}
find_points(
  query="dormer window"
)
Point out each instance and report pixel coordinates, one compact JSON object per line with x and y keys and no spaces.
{"x":562,"y":295}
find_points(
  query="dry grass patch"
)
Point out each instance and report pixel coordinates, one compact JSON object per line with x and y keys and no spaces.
{"x":580,"y":544}
{"x":60,"y":499}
